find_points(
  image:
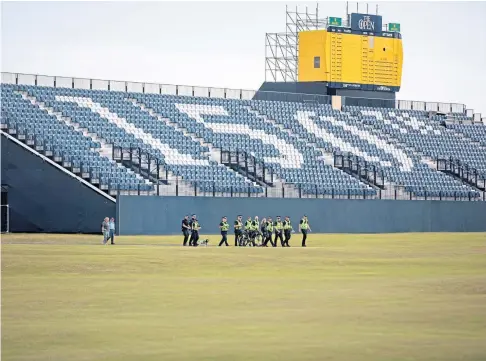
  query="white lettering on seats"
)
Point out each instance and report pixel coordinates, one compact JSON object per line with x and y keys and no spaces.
{"x":304,"y":118}
{"x":171,"y":155}
{"x":290,"y":156}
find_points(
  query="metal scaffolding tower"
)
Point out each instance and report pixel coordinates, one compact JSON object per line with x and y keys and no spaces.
{"x":282,"y":49}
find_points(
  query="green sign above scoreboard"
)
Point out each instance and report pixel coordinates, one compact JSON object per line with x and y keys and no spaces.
{"x":394,"y":27}
{"x":335,"y":21}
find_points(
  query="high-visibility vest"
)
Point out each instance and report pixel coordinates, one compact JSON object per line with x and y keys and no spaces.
{"x":195,"y":226}
{"x":304,"y":224}
{"x":238,"y":225}
{"x":248,"y":225}
{"x":225,"y":227}
{"x":270,"y":226}
{"x":287,"y":225}
{"x":255,"y":225}
{"x":278,"y":225}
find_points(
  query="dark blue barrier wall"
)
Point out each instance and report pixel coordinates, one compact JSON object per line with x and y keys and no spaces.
{"x":163,"y":215}
{"x":42,"y":198}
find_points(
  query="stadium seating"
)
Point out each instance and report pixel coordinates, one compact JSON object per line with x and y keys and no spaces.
{"x":230,"y":125}
{"x":428,"y":137}
{"x":424,"y":138}
{"x":101,"y":114}
{"x":64,"y":142}
{"x":475,"y":132}
{"x":296,"y":140}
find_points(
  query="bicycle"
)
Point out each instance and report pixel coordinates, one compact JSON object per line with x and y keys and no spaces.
{"x":251,"y":239}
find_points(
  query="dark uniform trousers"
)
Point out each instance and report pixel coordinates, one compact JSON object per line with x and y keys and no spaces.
{"x":287,"y":234}
{"x":304,"y":236}
{"x":194,"y":238}
{"x":224,"y":239}
{"x":185,"y":232}
{"x":268,"y":238}
{"x":238,"y":234}
{"x":278,"y":235}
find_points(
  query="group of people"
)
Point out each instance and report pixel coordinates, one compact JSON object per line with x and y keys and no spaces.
{"x":253,"y":228}
{"x":108,"y":230}
{"x":190,"y":227}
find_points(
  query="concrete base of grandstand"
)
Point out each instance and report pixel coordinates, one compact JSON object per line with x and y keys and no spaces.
{"x":43,"y":198}
{"x":163,"y":215}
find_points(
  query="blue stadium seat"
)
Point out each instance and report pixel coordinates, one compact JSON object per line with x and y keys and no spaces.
{"x":296,"y":140}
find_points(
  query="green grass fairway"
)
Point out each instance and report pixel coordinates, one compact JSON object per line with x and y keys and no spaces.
{"x":345,"y":297}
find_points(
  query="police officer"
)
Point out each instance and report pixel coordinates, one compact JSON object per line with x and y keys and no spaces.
{"x":255,"y":226}
{"x":193,"y":217}
{"x":224,"y":227}
{"x":278,"y":231}
{"x":287,"y":227}
{"x":248,"y":225}
{"x":269,"y":229}
{"x":238,"y":229}
{"x":304,"y":227}
{"x":185,"y":228}
{"x":263,"y":230}
{"x":195,"y":227}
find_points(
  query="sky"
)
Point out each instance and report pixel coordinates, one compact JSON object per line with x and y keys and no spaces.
{"x":222,"y":44}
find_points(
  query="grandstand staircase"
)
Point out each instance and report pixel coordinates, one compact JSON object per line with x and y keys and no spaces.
{"x":248,"y":166}
{"x":106,"y":149}
{"x":462,"y":172}
{"x":361,"y":172}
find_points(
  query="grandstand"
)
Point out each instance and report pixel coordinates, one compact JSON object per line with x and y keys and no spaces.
{"x":159,"y":142}
{"x":325,"y":124}
{"x":384,"y":200}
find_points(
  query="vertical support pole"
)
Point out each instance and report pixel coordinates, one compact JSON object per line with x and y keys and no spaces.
{"x":148,"y":164}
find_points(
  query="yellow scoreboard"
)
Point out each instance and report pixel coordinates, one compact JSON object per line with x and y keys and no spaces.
{"x":349,"y":59}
